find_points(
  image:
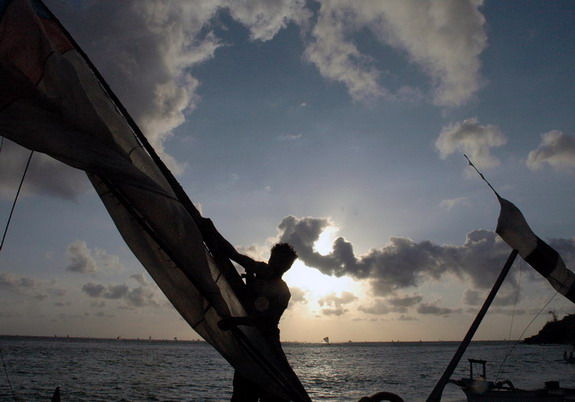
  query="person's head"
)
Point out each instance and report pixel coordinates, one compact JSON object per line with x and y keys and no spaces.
{"x":282,"y":257}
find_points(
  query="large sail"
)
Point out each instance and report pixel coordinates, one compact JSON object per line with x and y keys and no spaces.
{"x":53,"y":101}
{"x":514,"y":230}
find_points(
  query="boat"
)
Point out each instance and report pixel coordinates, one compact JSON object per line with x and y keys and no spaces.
{"x":54,"y":101}
{"x":514,"y":230}
{"x":479,"y":389}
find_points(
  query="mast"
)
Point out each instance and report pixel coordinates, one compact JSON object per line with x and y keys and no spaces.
{"x":438,"y":390}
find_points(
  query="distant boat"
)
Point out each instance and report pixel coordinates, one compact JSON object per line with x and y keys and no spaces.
{"x":326,"y":339}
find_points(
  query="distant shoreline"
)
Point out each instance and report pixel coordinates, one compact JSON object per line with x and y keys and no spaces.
{"x":120,"y":339}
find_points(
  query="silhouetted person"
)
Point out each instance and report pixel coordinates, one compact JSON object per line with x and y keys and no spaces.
{"x":271,"y":296}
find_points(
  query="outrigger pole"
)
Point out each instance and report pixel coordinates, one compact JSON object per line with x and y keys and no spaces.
{"x":438,"y":390}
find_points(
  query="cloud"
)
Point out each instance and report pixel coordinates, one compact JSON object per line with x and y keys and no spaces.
{"x":80,"y":257}
{"x":15,"y":282}
{"x":297,"y":295}
{"x":402,"y":302}
{"x":432,"y":309}
{"x":473,"y":139}
{"x":45,"y":175}
{"x":448,"y":204}
{"x":154,"y":45}
{"x":397,"y":304}
{"x":265,"y":18}
{"x":505,"y":297}
{"x":443,"y":38}
{"x":401,"y":263}
{"x":379,"y":307}
{"x":137,"y":297}
{"x":334,"y":300}
{"x":84,"y":260}
{"x":140,"y":278}
{"x":557,"y":150}
{"x":29,"y":287}
{"x":334,"y":303}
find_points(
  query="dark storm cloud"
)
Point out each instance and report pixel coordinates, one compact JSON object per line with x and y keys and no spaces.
{"x":401,"y":263}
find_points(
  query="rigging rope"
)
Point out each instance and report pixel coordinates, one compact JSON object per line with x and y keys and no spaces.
{"x":512,"y":346}
{"x":7,"y":376}
{"x":525,"y":330}
{"x":15,"y":200}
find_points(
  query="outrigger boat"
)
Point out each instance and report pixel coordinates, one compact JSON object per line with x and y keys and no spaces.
{"x":53,"y":100}
{"x":479,"y":389}
{"x":514,"y":230}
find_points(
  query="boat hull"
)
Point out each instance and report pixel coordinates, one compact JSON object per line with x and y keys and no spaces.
{"x":539,"y":395}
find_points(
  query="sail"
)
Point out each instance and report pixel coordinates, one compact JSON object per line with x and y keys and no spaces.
{"x":514,"y":230}
{"x":52,"y":100}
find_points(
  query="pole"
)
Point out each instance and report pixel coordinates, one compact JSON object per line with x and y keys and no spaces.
{"x":435,"y":395}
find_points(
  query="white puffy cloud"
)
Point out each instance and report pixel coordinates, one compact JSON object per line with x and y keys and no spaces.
{"x":84,"y":260}
{"x":557,"y":150}
{"x":443,"y":38}
{"x":265,"y":18}
{"x":472,"y":138}
{"x":80,"y":258}
{"x":145,"y":50}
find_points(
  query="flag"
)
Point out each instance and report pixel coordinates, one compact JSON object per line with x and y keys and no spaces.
{"x":514,"y":230}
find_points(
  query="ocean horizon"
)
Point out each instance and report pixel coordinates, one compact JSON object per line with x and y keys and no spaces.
{"x":100,"y":369}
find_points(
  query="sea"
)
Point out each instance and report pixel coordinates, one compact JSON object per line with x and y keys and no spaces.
{"x":154,"y":370}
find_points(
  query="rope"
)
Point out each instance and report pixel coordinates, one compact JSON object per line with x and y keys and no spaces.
{"x":516,"y":300}
{"x":7,"y":376}
{"x":525,"y":330}
{"x":510,"y":348}
{"x":15,"y":199}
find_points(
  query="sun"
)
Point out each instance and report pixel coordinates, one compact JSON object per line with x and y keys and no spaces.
{"x":324,"y":244}
{"x":316,"y":284}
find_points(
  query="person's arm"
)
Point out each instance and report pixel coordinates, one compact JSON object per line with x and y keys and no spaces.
{"x":216,"y":241}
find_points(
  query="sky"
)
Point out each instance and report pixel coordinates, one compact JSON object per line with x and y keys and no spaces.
{"x":337,"y":126}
